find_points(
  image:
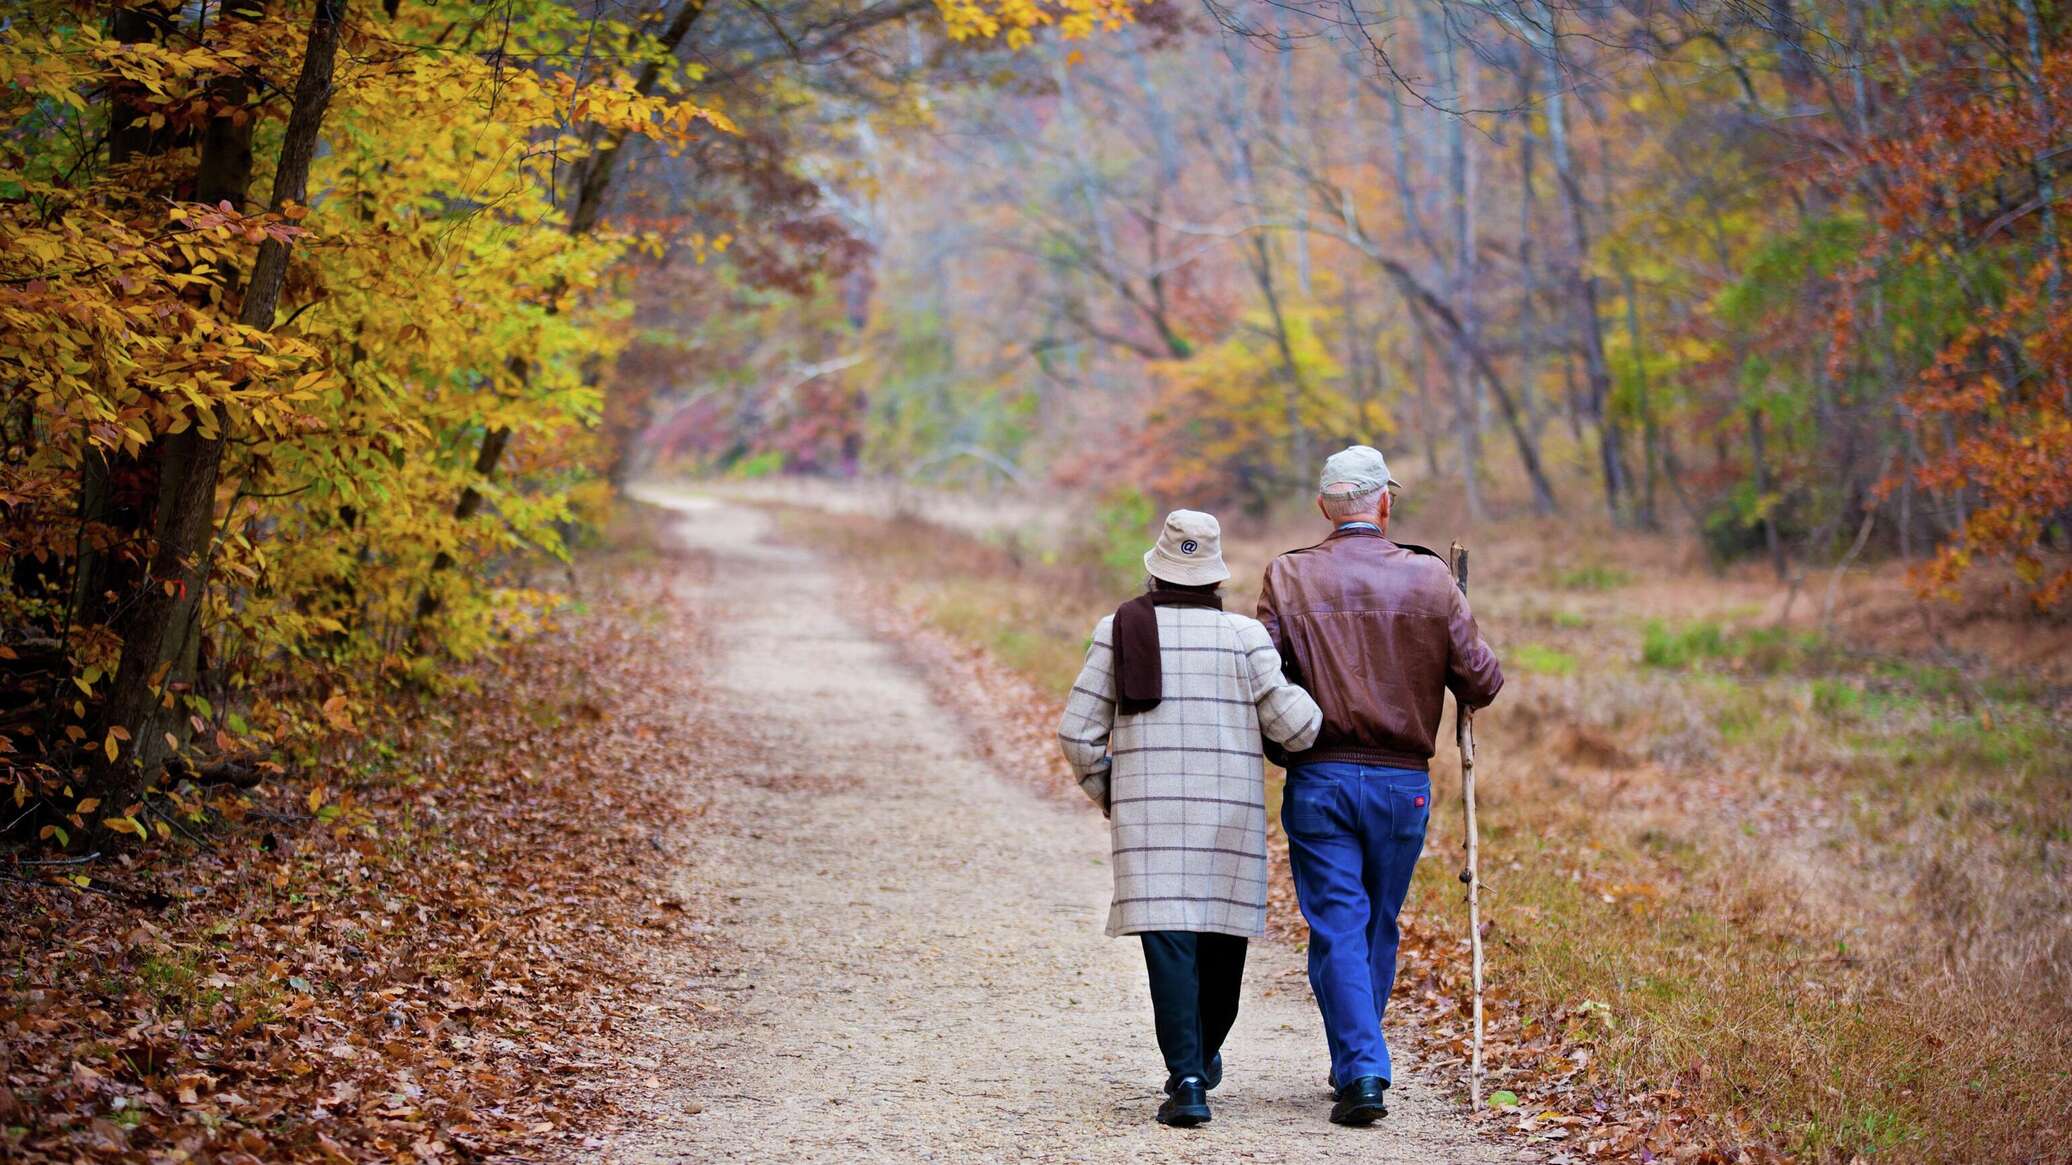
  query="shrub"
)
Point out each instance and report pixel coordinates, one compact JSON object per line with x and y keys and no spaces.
{"x":764,"y":464}
{"x":1534,"y":657}
{"x":1661,"y":646}
{"x":1594,"y":577}
{"x":1122,"y":523}
{"x":1837,"y":699}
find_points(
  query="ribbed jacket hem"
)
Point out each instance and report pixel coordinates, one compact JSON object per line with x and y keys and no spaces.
{"x":1360,"y":756}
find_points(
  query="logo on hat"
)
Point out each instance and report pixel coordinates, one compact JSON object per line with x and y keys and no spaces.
{"x":1189,"y":546}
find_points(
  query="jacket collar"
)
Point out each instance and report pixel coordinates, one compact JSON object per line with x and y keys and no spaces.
{"x":1362,"y":530}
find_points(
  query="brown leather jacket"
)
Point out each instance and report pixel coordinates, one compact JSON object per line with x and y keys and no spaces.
{"x":1377,"y":633}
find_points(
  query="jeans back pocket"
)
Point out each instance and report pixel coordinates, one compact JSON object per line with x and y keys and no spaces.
{"x":1411,"y":810}
{"x":1309,"y":806}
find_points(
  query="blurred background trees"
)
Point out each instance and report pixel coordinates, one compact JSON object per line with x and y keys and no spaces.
{"x":1786,"y":278}
{"x":309,"y":317}
{"x":307,"y":365}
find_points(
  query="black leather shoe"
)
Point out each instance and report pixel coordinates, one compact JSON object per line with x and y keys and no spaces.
{"x":1210,"y":1079}
{"x":1187,"y":1106}
{"x":1360,"y":1103}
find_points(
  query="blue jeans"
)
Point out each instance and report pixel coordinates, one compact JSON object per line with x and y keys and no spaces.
{"x":1354,"y":834}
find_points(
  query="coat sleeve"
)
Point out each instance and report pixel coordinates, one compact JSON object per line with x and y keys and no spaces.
{"x":1472,"y":673}
{"x":1287,"y":714}
{"x":1090,"y":714}
{"x":1269,"y":609}
{"x":1269,"y":615}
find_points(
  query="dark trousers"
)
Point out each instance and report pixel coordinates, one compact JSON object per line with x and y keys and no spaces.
{"x":1195,"y":978}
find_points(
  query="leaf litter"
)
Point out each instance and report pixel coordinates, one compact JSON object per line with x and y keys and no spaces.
{"x":416,"y":950}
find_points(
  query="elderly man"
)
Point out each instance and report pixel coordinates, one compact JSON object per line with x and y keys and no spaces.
{"x":1376,"y":631}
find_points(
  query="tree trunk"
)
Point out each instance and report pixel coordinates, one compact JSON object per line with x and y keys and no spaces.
{"x":2046,"y":179}
{"x":1427,"y":306}
{"x":1584,"y":294}
{"x":225,"y":170}
{"x":1167,"y":141}
{"x":1435,"y":35}
{"x":601,"y":167}
{"x":223,"y":175}
{"x":470,"y":503}
{"x":1794,"y":64}
{"x":1259,"y":259}
{"x":1293,"y":384}
{"x":1284,"y":97}
{"x":154,"y":627}
{"x":1420,"y":375}
{"x":1650,"y":445}
{"x":114,"y":487}
{"x":1530,"y":337}
{"x":1759,"y":454}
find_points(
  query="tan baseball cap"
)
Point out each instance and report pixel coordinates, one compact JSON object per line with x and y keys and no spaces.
{"x":1189,"y":550}
{"x":1359,"y":466}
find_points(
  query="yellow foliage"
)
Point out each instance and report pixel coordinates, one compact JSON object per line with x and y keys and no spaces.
{"x":435,"y":293}
{"x":1015,"y":22}
{"x":1229,"y":423}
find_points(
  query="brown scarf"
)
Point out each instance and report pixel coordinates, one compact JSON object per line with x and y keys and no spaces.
{"x":1138,"y":681}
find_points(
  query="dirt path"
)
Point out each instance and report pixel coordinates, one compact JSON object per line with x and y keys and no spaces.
{"x":909,"y":963}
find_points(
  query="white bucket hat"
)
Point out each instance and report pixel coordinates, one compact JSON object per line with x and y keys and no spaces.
{"x":1189,"y":550}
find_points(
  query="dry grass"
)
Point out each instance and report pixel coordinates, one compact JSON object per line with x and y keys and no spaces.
{"x":1825,"y":893}
{"x":1819,"y":892}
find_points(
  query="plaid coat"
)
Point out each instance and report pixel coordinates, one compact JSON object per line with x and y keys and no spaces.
{"x":1188,"y":815}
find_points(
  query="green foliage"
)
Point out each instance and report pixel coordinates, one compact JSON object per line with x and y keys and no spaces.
{"x":1534,"y":657}
{"x":1776,"y":274}
{"x":762,"y":464}
{"x":1227,"y":424}
{"x":1665,"y":647}
{"x":1771,"y":650}
{"x":1836,"y":699}
{"x":1733,"y":527}
{"x":1758,"y":650}
{"x":1594,"y":576}
{"x":1123,"y":525}
{"x":930,"y":418}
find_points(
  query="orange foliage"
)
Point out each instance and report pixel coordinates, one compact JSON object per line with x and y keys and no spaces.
{"x":1993,"y":412}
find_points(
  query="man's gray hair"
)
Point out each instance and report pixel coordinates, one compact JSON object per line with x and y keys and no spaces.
{"x":1343,"y":501}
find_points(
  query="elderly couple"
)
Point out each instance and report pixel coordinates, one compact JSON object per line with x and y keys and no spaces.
{"x":1357,"y":640}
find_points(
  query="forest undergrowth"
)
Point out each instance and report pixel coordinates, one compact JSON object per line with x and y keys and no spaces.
{"x":416,"y":952}
{"x":1754,"y":891}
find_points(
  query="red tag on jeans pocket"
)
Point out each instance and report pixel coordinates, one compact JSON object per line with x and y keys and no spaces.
{"x":1419,"y":802}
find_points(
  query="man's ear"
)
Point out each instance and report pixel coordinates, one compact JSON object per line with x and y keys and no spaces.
{"x":1388,"y":502}
{"x":1321,"y":510}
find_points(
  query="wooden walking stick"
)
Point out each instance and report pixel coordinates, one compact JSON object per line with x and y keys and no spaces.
{"x":1464,"y":735}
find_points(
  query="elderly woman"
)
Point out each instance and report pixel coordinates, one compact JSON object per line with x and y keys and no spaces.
{"x":1163,"y":727}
